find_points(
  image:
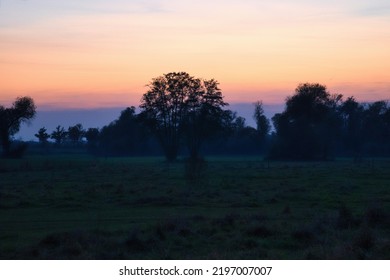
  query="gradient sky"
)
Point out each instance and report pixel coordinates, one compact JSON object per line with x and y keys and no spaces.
{"x":101,"y":53}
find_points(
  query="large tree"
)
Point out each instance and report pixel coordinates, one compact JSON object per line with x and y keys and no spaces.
{"x":204,"y":115}
{"x":309,"y":125}
{"x":22,"y":110}
{"x":179,"y":106}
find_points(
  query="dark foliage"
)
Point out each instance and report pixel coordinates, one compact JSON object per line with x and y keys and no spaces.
{"x":92,"y":135}
{"x":76,"y":134}
{"x":179,"y":107}
{"x":42,"y":136}
{"x":262,"y":123}
{"x":236,"y":138}
{"x":59,"y":135}
{"x":309,"y":126}
{"x":185,"y":116}
{"x":126,"y":136}
{"x":22,"y":110}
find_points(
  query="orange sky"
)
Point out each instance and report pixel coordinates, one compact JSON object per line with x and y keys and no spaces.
{"x":103,"y":53}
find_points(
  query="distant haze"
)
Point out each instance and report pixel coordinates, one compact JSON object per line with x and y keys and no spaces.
{"x":100,"y":117}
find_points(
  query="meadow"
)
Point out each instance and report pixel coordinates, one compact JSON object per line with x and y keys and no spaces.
{"x":82,"y":207}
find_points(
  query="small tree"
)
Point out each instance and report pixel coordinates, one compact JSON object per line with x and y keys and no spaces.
{"x":22,"y":110}
{"x":59,"y":135}
{"x":262,"y":123}
{"x":76,"y":133}
{"x":42,"y":136}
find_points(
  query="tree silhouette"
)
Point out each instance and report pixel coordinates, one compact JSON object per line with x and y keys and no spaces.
{"x":76,"y":133}
{"x":125,"y":136}
{"x":242,"y":139}
{"x":204,"y":115}
{"x":353,"y":134}
{"x":22,"y":110}
{"x":178,"y":105}
{"x":163,"y":109}
{"x":262,"y":123}
{"x":92,"y":136}
{"x":309,"y":125}
{"x":59,"y":135}
{"x":376,"y":128}
{"x":42,"y":136}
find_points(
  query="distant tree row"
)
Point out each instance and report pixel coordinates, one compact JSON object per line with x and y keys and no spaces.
{"x":184,"y":115}
{"x":74,"y":135}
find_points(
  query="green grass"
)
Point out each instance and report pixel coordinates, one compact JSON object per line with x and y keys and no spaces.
{"x":69,"y":207}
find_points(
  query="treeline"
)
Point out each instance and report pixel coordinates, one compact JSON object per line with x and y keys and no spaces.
{"x":181,"y":115}
{"x":314,"y":125}
{"x":318,"y":125}
{"x":125,"y":136}
{"x":129,"y":136}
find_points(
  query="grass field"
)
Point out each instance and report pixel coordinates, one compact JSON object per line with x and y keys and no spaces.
{"x":68,"y":207}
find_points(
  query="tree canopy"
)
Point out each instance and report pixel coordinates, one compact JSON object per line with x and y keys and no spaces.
{"x":76,"y":133}
{"x":59,"y":135}
{"x":125,"y":136}
{"x":262,"y":123}
{"x":309,"y":125}
{"x":22,"y":110}
{"x":180,"y":107}
{"x":42,"y":135}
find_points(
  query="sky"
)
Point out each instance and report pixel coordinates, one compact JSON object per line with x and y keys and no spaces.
{"x":100,"y":54}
